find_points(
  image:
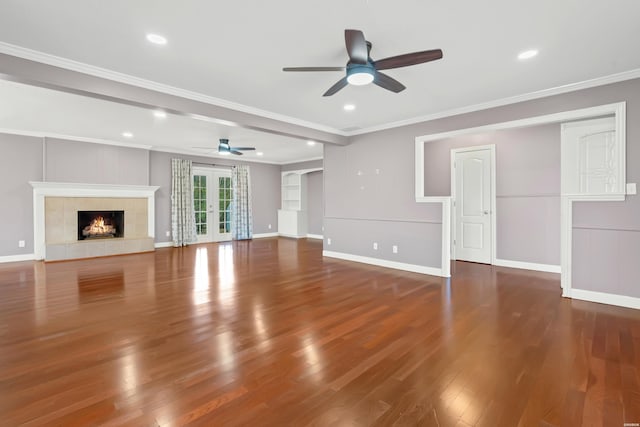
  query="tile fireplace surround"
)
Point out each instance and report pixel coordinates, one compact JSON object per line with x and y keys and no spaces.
{"x":56,"y":207}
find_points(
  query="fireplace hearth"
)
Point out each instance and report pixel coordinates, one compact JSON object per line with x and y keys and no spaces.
{"x":100,"y":224}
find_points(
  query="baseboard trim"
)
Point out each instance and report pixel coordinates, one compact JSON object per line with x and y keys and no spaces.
{"x":163,"y":244}
{"x":605,"y":298}
{"x":291,"y":236}
{"x":263,"y":235}
{"x":17,"y":258}
{"x":549,"y":268}
{"x":315,"y":236}
{"x":432,"y":271}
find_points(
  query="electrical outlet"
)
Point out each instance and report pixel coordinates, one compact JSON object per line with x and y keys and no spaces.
{"x":394,"y":248}
{"x":269,"y":226}
{"x":21,"y":243}
{"x":328,"y":241}
{"x":375,"y":246}
{"x":168,"y":233}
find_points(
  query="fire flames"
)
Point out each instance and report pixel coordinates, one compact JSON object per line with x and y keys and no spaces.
{"x":98,"y":228}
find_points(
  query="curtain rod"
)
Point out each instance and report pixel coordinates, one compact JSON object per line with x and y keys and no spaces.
{"x":211,"y":164}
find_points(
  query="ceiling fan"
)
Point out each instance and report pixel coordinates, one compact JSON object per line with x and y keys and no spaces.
{"x":225,"y":148}
{"x":362,"y":70}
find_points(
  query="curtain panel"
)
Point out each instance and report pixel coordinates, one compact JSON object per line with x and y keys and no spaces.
{"x":183,"y":224}
{"x":241,"y":216}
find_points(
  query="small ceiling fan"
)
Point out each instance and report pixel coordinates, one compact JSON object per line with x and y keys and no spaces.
{"x":362,"y":70}
{"x":225,"y":148}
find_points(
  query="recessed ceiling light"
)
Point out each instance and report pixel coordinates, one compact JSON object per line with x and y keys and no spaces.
{"x":259,"y":153}
{"x":127,"y":134}
{"x":527,"y":54}
{"x":349,"y":107}
{"x":160,"y":114}
{"x":311,"y":143}
{"x":157,"y":39}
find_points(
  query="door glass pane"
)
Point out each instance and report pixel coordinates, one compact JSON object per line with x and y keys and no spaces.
{"x":200,"y":203}
{"x":225,"y":198}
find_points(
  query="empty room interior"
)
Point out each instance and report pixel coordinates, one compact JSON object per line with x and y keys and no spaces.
{"x":359,"y":213}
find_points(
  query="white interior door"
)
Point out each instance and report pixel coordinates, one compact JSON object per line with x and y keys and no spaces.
{"x":212,"y":197}
{"x":472,"y":204}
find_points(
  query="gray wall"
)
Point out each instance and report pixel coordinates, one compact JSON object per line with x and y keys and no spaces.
{"x":265,"y":191}
{"x":601,"y":229}
{"x":74,"y":161}
{"x":311,"y":164}
{"x":527,"y":188}
{"x":20,"y":162}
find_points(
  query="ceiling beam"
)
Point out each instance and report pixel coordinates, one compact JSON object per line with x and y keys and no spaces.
{"x":35,"y":73}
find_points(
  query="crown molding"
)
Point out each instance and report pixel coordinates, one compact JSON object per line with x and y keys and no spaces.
{"x":38,"y":134}
{"x":68,"y":64}
{"x":586,"y":84}
{"x":187,"y":152}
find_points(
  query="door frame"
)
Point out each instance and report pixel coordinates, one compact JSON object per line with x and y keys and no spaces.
{"x":213,"y":173}
{"x":492,"y":154}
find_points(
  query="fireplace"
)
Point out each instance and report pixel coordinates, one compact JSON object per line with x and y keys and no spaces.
{"x":100,"y":224}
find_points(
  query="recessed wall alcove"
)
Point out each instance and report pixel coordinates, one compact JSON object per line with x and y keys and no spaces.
{"x":56,"y":219}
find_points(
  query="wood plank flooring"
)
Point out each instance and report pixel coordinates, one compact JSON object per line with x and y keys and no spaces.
{"x":268,"y":333}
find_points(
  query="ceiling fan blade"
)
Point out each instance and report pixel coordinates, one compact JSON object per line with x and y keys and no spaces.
{"x":313,"y":69}
{"x":336,"y":87}
{"x":356,"y":46}
{"x":388,"y":83}
{"x":407,"y":59}
{"x":243,"y":148}
{"x":237,"y":153}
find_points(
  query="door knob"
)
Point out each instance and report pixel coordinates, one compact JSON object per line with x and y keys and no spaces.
{"x":486,"y":212}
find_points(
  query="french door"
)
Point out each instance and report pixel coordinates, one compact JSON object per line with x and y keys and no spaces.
{"x":212,"y":197}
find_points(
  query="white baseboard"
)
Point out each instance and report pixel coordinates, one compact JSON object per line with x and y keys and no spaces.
{"x":315,"y":236}
{"x":163,"y":244}
{"x":291,"y":236}
{"x":605,"y":298}
{"x":549,"y":268}
{"x":263,"y":235}
{"x":17,"y":258}
{"x":385,"y":263}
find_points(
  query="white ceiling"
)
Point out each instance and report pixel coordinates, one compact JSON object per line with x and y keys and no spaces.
{"x":36,"y":110}
{"x":236,"y":50}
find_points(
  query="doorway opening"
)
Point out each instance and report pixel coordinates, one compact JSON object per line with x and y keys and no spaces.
{"x":212,"y":204}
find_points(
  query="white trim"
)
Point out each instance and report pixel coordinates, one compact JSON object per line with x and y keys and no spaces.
{"x":385,"y":263}
{"x":586,"y":84}
{"x":39,"y":134}
{"x":315,"y":236}
{"x":291,"y":236}
{"x":301,"y":161}
{"x":80,"y":67}
{"x":163,"y":244}
{"x":445,"y":260}
{"x":17,"y":258}
{"x":69,"y":189}
{"x":263,"y":235}
{"x":494,"y":209}
{"x":68,"y":64}
{"x":604,"y":298}
{"x":549,"y":268}
{"x":191,"y":152}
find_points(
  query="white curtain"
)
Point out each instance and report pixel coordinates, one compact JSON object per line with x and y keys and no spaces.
{"x":183,"y":225}
{"x":241,"y":217}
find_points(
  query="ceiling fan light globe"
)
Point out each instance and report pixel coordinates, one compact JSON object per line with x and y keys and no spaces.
{"x":360,"y":75}
{"x":224,"y":153}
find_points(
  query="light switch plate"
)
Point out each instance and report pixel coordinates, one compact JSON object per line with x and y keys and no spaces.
{"x":631,"y":189}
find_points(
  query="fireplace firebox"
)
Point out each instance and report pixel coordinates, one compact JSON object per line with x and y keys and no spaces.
{"x":100,"y":224}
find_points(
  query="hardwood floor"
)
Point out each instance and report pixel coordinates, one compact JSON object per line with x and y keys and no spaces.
{"x":269,"y":333}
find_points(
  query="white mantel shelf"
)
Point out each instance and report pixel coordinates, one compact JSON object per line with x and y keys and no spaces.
{"x":69,"y":189}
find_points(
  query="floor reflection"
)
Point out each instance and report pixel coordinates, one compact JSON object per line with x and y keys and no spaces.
{"x":201,"y":277}
{"x":226,"y":272}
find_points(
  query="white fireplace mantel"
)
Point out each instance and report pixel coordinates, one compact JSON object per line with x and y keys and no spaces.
{"x":68,"y":189}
